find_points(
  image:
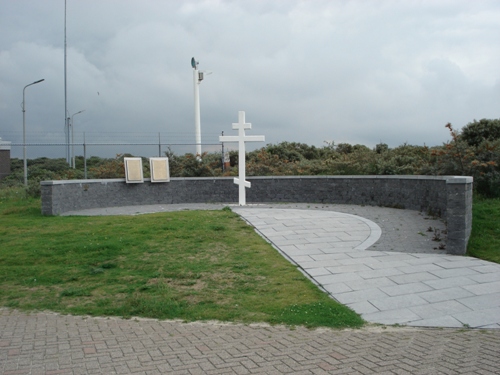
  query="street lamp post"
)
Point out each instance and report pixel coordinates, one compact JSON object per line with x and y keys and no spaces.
{"x":66,"y":113}
{"x":24,"y":134}
{"x":73,"y":137}
{"x":196,"y":84}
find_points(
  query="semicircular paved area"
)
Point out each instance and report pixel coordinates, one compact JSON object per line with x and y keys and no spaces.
{"x":422,"y":288}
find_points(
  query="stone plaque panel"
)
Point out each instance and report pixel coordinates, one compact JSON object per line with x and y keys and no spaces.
{"x":133,"y":170}
{"x":159,"y":170}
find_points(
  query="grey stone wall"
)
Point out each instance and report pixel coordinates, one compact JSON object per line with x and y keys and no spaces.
{"x":4,"y":163}
{"x":445,"y":196}
{"x":4,"y":158}
{"x":458,"y":214}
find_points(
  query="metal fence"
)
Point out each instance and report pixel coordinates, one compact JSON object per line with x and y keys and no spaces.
{"x":107,"y":144}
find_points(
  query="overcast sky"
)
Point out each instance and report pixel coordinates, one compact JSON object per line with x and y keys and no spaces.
{"x":303,"y":71}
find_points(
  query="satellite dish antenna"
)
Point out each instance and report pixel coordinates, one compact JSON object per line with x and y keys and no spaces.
{"x":193,"y":63}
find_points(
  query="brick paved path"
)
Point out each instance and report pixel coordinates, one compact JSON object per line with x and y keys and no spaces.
{"x":46,"y":343}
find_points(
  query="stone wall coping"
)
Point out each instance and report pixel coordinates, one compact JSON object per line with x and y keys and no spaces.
{"x":381,"y":177}
{"x":449,"y":179}
{"x":460,"y":180}
{"x":68,"y":182}
{"x":5,"y":145}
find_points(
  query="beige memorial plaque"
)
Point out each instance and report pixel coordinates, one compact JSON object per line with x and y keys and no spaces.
{"x":133,"y":170}
{"x":159,"y":170}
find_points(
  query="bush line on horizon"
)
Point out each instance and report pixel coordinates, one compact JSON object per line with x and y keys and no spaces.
{"x":473,"y":151}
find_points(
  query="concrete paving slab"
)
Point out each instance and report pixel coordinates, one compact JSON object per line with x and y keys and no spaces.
{"x":382,"y":272}
{"x":476,"y":265}
{"x":338,"y":255}
{"x":438,"y":309}
{"x":398,"y":316}
{"x":381,"y":264}
{"x":396,"y":302}
{"x":375,"y":283}
{"x":479,"y":318}
{"x":364,"y":308}
{"x":370,"y":295}
{"x":339,"y":268}
{"x":454,"y":272}
{"x":445,"y":294}
{"x":411,"y":288}
{"x":337,"y":288}
{"x":487,"y":269}
{"x":484,"y":301}
{"x":329,"y":239}
{"x":481,"y":289}
{"x":337,"y":278}
{"x":451,"y":282}
{"x":320,"y":263}
{"x":442,"y":321}
{"x":413,"y":278}
{"x":304,"y":258}
{"x":419,"y":268}
{"x":317,"y":271}
{"x":487,"y":277}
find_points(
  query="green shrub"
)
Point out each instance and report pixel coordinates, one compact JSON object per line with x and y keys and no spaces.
{"x":481,"y":161}
{"x":475,"y":151}
{"x":476,"y":132}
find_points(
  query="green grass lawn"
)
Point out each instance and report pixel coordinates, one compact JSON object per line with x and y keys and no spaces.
{"x":484,"y":242}
{"x":190,"y":265}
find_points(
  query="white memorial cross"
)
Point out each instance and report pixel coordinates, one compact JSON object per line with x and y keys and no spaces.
{"x":241,"y":138}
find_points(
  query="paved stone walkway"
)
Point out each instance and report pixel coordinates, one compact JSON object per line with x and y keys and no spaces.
{"x":423,"y":287}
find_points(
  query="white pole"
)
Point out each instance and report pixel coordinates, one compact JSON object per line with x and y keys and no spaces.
{"x":71,"y":123}
{"x":197,"y":119}
{"x":72,"y":143}
{"x":66,"y":118}
{"x":25,"y":163}
{"x":84,"y":156}
{"x":241,"y":159}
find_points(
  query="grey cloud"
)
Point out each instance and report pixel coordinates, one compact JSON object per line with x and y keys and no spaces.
{"x":307,"y":71}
